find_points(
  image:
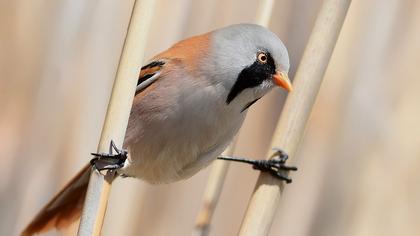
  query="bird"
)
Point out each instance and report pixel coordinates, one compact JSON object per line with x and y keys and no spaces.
{"x":190,"y":102}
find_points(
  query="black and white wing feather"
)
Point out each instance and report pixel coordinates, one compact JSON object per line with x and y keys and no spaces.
{"x":148,"y":75}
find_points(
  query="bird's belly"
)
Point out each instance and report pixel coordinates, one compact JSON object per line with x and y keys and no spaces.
{"x":176,"y":149}
{"x":167,"y":165}
{"x":172,"y":160}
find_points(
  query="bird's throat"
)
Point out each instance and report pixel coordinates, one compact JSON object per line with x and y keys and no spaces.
{"x":249,"y":104}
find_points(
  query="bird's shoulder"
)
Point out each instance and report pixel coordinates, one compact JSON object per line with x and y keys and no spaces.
{"x":184,"y":55}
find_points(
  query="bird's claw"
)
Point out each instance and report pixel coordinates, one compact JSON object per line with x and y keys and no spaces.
{"x":280,"y":154}
{"x":276,"y":165}
{"x":109,"y":161}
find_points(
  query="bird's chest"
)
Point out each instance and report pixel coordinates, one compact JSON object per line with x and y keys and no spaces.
{"x":174,"y":140}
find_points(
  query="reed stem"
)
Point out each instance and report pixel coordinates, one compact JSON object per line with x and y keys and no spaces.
{"x":290,"y":127}
{"x":219,"y":169}
{"x":117,"y":115}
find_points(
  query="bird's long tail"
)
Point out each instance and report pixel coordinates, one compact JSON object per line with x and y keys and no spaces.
{"x":64,"y":208}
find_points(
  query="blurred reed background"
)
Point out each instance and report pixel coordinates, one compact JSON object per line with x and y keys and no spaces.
{"x":358,"y":162}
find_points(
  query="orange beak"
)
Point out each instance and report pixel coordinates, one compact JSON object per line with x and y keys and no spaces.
{"x":282,"y":80}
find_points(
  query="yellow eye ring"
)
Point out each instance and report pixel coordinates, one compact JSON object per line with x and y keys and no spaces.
{"x":262,"y":57}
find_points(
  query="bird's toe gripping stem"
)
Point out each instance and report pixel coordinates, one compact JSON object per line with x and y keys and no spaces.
{"x":109,"y":161}
{"x":276,"y":165}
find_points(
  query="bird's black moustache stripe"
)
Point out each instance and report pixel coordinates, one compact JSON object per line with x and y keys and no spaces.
{"x":252,"y":76}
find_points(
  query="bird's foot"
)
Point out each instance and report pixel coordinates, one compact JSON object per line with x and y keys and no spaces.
{"x":276,"y":165}
{"x":109,"y":161}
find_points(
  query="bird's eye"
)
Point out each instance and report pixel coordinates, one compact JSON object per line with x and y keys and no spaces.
{"x":262,"y":58}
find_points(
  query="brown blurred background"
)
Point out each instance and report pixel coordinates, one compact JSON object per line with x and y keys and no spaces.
{"x":359,"y":161}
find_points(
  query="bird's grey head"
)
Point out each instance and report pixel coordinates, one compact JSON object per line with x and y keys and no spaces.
{"x":246,"y":57}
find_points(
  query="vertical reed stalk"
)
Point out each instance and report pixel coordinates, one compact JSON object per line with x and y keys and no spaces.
{"x":212,"y":192}
{"x":264,"y":10}
{"x":290,"y":128}
{"x":219,"y":169}
{"x":117,"y":114}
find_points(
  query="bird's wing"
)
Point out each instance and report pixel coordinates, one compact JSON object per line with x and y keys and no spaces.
{"x":185,"y":55}
{"x":149,"y":74}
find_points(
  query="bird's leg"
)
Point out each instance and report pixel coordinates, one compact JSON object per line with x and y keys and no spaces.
{"x":109,"y":161}
{"x":276,"y":165}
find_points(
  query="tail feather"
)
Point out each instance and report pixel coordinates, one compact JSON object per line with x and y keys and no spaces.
{"x":64,"y":208}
